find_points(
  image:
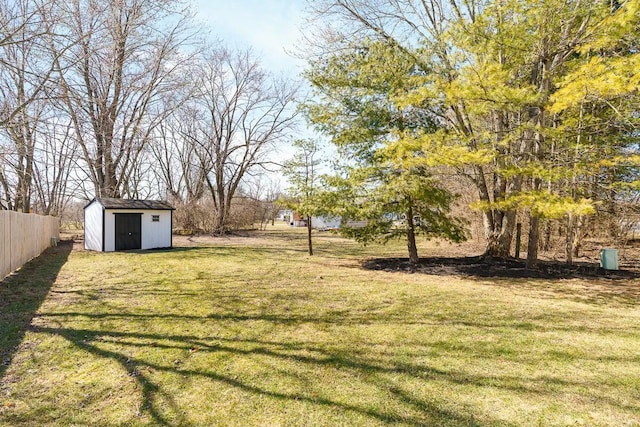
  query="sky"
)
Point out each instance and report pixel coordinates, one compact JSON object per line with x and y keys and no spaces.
{"x":268,"y":27}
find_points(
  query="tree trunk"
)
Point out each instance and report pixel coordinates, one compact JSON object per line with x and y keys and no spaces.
{"x":578,"y":235}
{"x":411,"y":238}
{"x":220,"y":224}
{"x":534,"y":238}
{"x":499,"y":233}
{"x":7,"y":193}
{"x":309,"y":235}
{"x":568,"y":247}
{"x":499,"y":225}
{"x":547,"y":237}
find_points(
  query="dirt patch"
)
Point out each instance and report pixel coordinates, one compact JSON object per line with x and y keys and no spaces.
{"x":479,"y":266}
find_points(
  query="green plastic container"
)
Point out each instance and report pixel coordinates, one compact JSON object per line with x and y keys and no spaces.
{"x":609,"y":259}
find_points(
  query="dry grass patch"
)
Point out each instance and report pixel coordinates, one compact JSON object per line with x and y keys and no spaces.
{"x":254,"y":332}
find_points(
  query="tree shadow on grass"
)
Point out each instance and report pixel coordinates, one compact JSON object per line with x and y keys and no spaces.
{"x":147,"y":356}
{"x":138,"y":354}
{"x":374,"y":369}
{"x":22,"y":293}
{"x":170,"y":413}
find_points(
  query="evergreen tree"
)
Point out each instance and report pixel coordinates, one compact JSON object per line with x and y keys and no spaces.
{"x":378,"y":184}
{"x":302,"y":173}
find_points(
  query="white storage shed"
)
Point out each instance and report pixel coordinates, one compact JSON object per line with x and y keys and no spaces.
{"x":112,"y":224}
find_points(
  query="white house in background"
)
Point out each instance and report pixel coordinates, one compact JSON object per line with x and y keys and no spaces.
{"x":325,"y":222}
{"x":119,"y":224}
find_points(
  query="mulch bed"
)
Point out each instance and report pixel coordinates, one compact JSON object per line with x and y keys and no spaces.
{"x":480,"y":266}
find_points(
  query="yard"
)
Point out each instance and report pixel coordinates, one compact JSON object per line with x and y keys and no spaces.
{"x":250,"y":331}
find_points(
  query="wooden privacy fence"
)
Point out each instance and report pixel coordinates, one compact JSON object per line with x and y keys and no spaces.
{"x":24,"y":236}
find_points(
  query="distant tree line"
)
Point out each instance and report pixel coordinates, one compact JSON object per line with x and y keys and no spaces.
{"x":126,"y":99}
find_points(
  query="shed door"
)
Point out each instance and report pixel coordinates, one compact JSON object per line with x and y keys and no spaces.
{"x":128,"y":231}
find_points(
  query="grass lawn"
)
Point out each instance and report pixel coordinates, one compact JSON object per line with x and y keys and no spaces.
{"x":253,"y":332}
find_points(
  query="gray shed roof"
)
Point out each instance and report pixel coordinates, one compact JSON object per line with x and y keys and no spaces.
{"x":113,"y":203}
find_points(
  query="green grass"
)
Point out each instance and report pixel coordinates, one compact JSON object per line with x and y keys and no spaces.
{"x":260,"y":334}
{"x":21,"y":293}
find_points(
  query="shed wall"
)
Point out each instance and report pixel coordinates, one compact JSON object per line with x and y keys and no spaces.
{"x":93,"y":227}
{"x":154,"y":234}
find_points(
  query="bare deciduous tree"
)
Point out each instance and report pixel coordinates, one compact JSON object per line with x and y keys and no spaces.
{"x":265,"y":192}
{"x":239,"y":115}
{"x":54,"y":167}
{"x":177,"y":162}
{"x":26,"y":69}
{"x":26,"y":64}
{"x":126,"y":59}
